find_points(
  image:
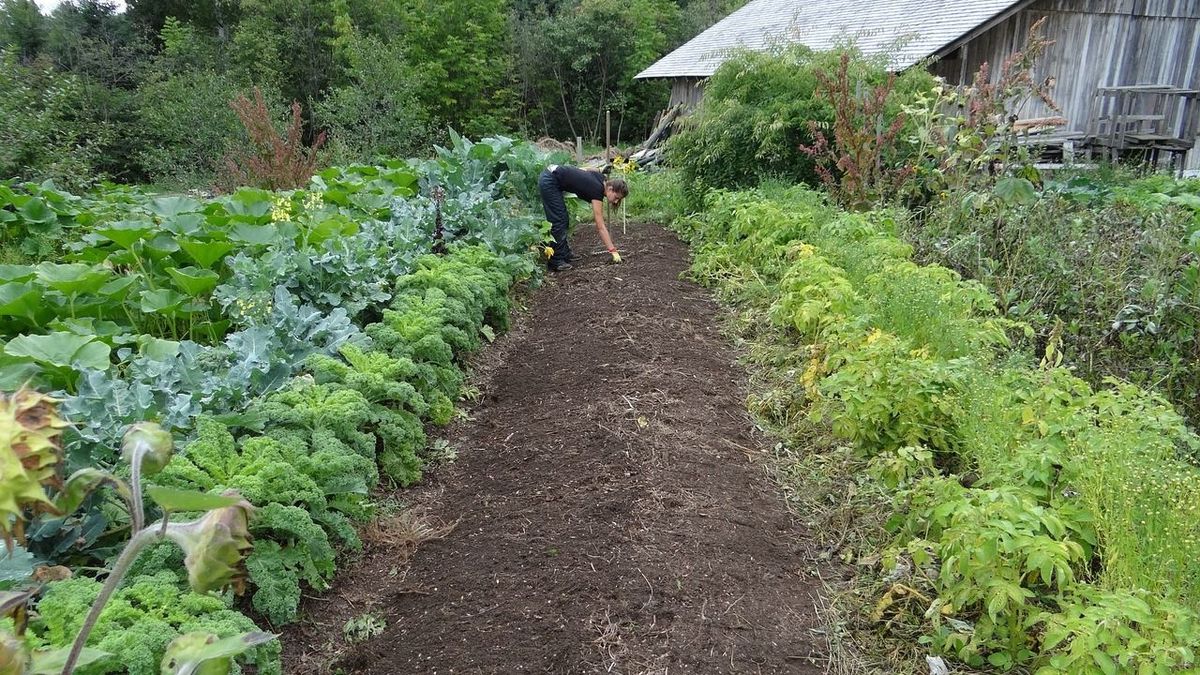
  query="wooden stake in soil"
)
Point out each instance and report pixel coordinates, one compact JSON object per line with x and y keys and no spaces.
{"x":607,"y":135}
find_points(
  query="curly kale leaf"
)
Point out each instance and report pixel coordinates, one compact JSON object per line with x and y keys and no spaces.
{"x":139,"y":621}
{"x":403,"y":437}
{"x":290,"y":548}
{"x":374,"y":374}
{"x":262,"y":470}
{"x":317,"y":408}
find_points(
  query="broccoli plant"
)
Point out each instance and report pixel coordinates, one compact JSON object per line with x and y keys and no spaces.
{"x":213,"y":543}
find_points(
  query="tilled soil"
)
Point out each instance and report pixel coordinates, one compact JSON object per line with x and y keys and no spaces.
{"x":613,"y":513}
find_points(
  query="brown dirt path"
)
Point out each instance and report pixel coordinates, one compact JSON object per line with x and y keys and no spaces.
{"x":613,"y":511}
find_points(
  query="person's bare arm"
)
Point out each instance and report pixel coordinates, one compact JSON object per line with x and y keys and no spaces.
{"x":598,"y":216}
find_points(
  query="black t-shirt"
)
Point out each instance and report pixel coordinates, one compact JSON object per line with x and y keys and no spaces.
{"x":587,"y":185}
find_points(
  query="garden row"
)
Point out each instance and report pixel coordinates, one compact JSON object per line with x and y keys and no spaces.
{"x":297,"y":343}
{"x":1038,"y":522}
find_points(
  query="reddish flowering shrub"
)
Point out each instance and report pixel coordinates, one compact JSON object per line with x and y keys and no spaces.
{"x":271,"y":160}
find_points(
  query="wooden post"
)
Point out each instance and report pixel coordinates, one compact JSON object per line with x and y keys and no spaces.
{"x":579,"y":149}
{"x":607,"y":134}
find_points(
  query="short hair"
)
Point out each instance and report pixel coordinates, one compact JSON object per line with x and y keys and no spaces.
{"x":619,"y":186}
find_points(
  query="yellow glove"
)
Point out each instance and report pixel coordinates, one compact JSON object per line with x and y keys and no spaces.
{"x":616,"y":257}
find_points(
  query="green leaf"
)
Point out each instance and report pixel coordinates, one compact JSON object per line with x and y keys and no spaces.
{"x":81,"y":484}
{"x":16,"y":565}
{"x":194,"y":281}
{"x":1106,"y":663}
{"x":337,"y":226}
{"x":173,"y":206}
{"x":205,"y":253}
{"x":185,"y":225}
{"x":255,"y":235}
{"x":174,"y":499}
{"x":52,"y":661}
{"x":94,"y":355}
{"x":37,"y":212}
{"x":126,"y":233}
{"x":117,"y":288}
{"x":61,"y":349}
{"x":15,"y":372}
{"x":188,"y":653}
{"x":1015,"y":191}
{"x":89,"y":326}
{"x":72,"y":278}
{"x":1053,"y":637}
{"x":162,"y":300}
{"x":19,"y":299}
{"x":16,"y":272}
{"x":161,"y":246}
{"x":157,"y":348}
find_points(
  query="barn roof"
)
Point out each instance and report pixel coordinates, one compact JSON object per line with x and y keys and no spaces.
{"x":920,"y":28}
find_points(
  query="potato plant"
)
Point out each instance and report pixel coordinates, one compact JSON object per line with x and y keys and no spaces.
{"x":1045,"y":524}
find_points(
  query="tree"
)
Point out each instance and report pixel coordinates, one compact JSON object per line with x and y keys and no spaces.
{"x":22,"y":28}
{"x":574,"y":65}
{"x":377,"y":111}
{"x":461,"y":52}
{"x":215,"y":17}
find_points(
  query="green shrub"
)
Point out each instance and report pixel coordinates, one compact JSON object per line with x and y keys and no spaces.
{"x":931,"y":306}
{"x":1122,"y":631}
{"x":752,"y":122}
{"x":1116,"y":265}
{"x":45,"y":133}
{"x":377,"y":112}
{"x":1000,"y":554}
{"x":758,"y":112}
{"x":187,"y":125}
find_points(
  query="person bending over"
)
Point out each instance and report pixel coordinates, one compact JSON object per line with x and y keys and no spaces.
{"x":587,"y":185}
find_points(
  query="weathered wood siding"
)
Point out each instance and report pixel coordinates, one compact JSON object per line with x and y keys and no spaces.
{"x":1096,"y":43}
{"x":689,"y":90}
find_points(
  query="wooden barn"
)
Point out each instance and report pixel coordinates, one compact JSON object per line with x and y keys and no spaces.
{"x":1126,"y":72}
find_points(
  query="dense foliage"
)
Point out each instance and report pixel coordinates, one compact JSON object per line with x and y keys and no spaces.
{"x":299,"y":340}
{"x":1039,"y":522}
{"x":92,"y":91}
{"x":1109,"y":263}
{"x":761,"y":110}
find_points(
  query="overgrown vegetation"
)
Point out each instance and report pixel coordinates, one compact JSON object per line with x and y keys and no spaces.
{"x":1039,"y":522}
{"x":91,"y":92}
{"x":765,"y":115}
{"x":1003,"y":361}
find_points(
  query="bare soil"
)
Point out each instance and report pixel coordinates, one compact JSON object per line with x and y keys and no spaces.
{"x":611,"y":505}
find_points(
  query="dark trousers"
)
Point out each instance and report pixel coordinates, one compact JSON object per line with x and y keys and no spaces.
{"x":556,"y":212}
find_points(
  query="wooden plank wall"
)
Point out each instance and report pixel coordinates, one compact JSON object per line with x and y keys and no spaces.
{"x":686,"y":90}
{"x":1097,"y":43}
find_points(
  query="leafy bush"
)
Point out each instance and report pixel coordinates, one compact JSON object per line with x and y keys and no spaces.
{"x":377,"y":113}
{"x":44,"y":133}
{"x":761,"y":108}
{"x":187,"y":125}
{"x":889,"y":395}
{"x":1119,"y":272}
